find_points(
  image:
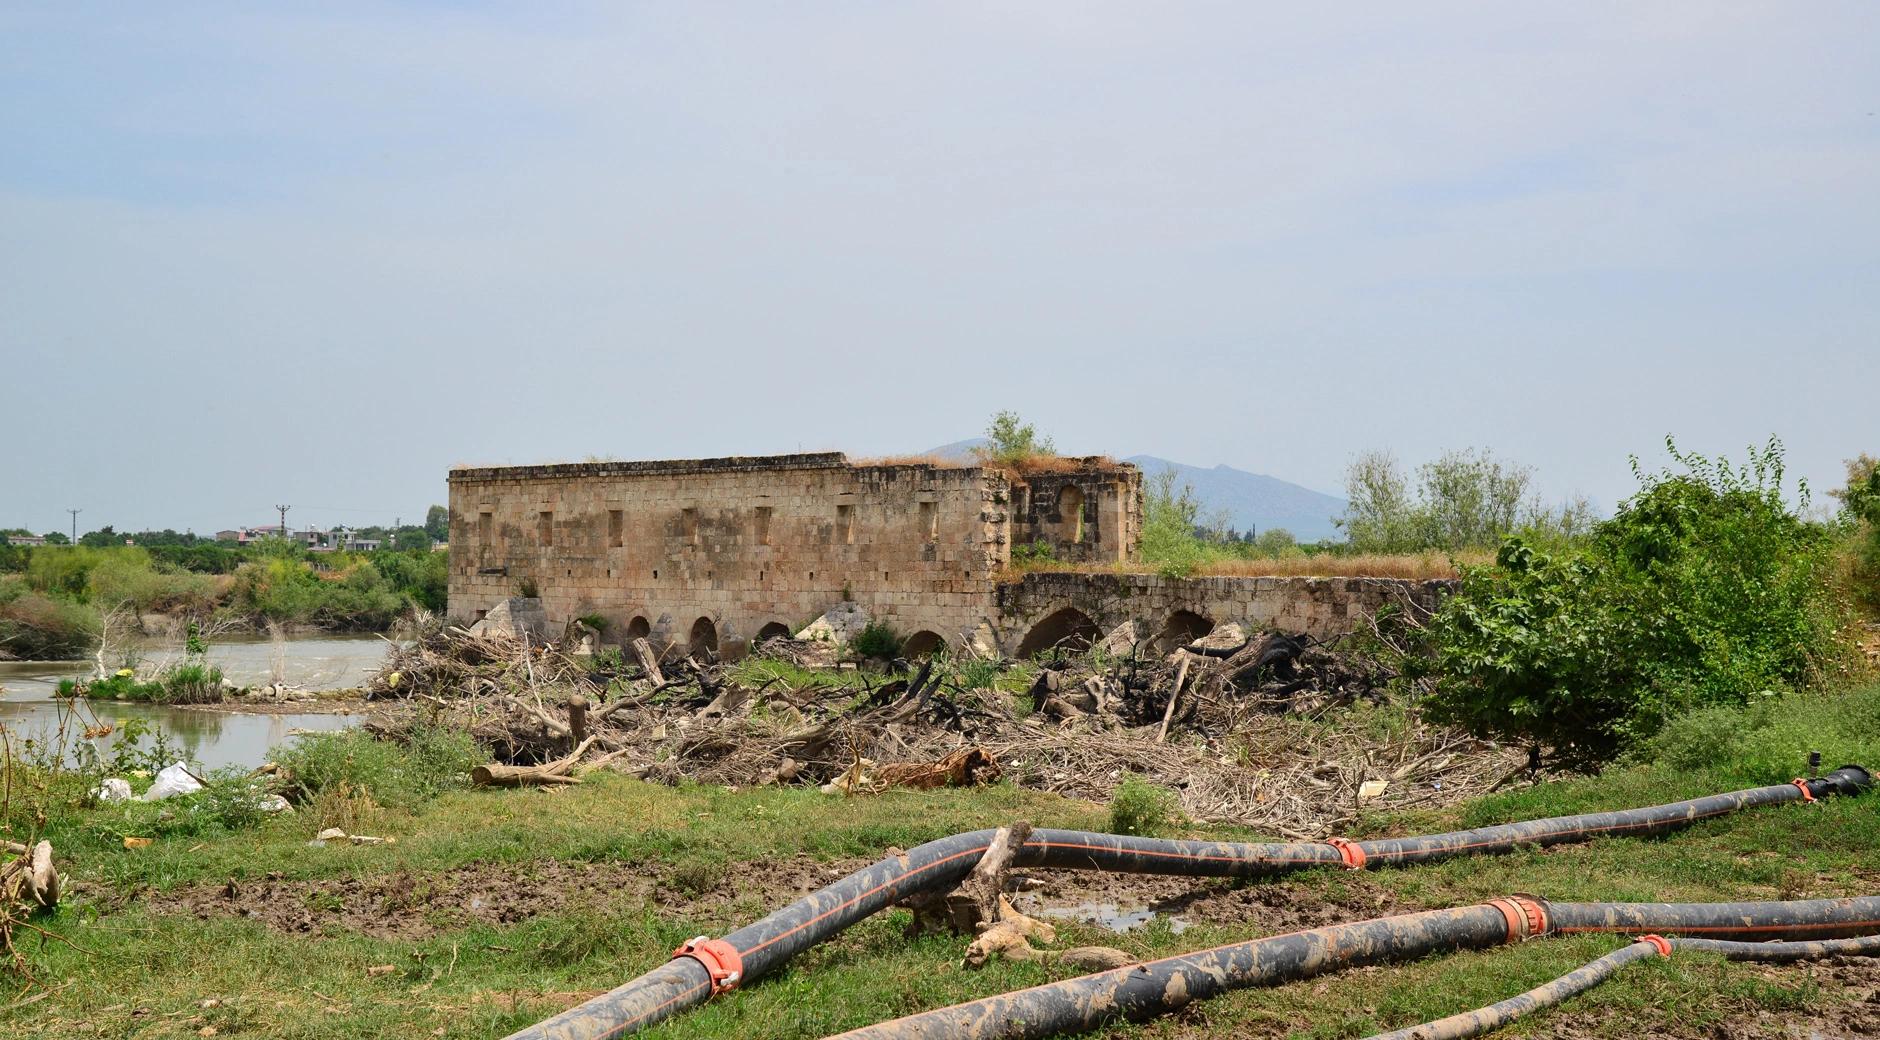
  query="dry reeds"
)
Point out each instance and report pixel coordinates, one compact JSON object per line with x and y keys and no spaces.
{"x":1407,"y":566}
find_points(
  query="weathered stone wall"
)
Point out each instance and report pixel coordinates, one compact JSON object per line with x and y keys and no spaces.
{"x":722,"y":551}
{"x":1320,"y":607}
{"x":743,"y":543}
{"x":1091,"y":514}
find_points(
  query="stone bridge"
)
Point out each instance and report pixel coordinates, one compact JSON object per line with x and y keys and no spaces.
{"x":1042,"y":610}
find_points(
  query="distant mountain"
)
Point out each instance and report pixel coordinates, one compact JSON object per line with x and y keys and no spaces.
{"x":1250,"y":500}
{"x":1254,"y":500}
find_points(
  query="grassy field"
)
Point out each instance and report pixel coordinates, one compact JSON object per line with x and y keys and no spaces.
{"x":496,"y":908}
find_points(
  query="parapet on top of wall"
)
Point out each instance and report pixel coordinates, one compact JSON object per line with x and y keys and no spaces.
{"x":654,"y":467}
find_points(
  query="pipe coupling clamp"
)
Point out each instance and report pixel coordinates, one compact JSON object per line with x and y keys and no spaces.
{"x":719,"y":958}
{"x":1350,"y":853}
{"x":1526,"y":917}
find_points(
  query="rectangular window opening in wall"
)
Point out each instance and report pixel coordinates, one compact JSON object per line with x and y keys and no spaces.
{"x":616,"y":528}
{"x":485,"y":524}
{"x":763,"y":525}
{"x":688,"y":524}
{"x":929,"y":521}
{"x":545,"y":527}
{"x":845,"y":525}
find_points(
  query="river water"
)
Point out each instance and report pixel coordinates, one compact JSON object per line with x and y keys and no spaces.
{"x":210,"y":738}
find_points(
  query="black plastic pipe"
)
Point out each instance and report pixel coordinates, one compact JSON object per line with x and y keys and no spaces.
{"x":711,"y":966}
{"x":1502,"y":1013}
{"x":1158,"y":987}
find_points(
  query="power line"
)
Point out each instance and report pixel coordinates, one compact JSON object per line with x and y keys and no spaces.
{"x":283,"y":510}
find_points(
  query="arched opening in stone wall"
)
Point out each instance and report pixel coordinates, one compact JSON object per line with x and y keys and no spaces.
{"x":1067,"y":629}
{"x":704,"y":636}
{"x":922,"y":644}
{"x":638,"y":628}
{"x":1183,"y":627}
{"x":774,"y":630}
{"x":1071,"y":514}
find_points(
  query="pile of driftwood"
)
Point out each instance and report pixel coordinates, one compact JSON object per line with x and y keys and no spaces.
{"x":1238,"y":727}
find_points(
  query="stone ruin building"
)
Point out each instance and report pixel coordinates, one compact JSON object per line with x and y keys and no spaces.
{"x":720,"y":553}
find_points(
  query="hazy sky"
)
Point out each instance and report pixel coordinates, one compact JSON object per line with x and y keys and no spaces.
{"x":319,"y":253}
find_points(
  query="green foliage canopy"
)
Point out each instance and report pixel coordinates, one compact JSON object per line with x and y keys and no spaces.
{"x":1704,"y":589}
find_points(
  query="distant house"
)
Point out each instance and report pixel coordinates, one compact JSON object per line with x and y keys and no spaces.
{"x":22,"y":539}
{"x":246,"y":535}
{"x":339,"y":539}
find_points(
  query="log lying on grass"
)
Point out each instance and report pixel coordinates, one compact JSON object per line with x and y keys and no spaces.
{"x":548,"y":774}
{"x":30,"y":878}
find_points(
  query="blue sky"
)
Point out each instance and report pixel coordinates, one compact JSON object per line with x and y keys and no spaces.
{"x":318,"y":254}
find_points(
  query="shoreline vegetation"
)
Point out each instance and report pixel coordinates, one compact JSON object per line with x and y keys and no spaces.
{"x":62,"y":602}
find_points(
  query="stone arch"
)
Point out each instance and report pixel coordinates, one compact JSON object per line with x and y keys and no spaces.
{"x":1181,"y":628}
{"x":1066,"y":628}
{"x":923,"y":643}
{"x":638,"y":628}
{"x":774,"y":630}
{"x":1071,"y":513}
{"x":704,"y":636}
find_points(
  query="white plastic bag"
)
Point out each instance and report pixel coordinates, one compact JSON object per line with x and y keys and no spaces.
{"x":115,"y":790}
{"x":172,"y":781}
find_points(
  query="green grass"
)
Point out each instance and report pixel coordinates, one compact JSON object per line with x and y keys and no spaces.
{"x":142,"y":973}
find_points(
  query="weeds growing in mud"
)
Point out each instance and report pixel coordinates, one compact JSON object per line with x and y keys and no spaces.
{"x":429,"y":761}
{"x":1141,"y":807}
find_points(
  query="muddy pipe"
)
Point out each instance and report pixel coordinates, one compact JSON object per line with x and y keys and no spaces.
{"x":705,"y":967}
{"x":1501,"y":1013}
{"x":1159,"y":987}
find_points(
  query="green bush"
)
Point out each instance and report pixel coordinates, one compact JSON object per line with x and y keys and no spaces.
{"x":36,"y":626}
{"x":1768,"y":740}
{"x":195,"y":681}
{"x":1141,"y":807}
{"x":876,"y":639}
{"x":1704,"y":589}
{"x":430,"y":761}
{"x":1860,"y":511}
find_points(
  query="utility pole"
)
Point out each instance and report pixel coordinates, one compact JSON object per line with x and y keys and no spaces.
{"x":283,"y":510}
{"x":75,"y":513}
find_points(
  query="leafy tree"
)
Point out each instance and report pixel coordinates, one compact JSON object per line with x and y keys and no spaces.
{"x":1469,"y":500}
{"x":1171,"y":516}
{"x":1275,"y":542}
{"x":411,"y":539}
{"x":1011,"y":440}
{"x":1465,"y":499}
{"x":1380,"y":515}
{"x":103,"y":537}
{"x":57,"y":538}
{"x":437,"y":523}
{"x":1705,"y":588}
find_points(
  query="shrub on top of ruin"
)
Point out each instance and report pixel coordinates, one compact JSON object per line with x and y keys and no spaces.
{"x":877,"y":639}
{"x":1034,"y":553}
{"x":1010,"y":441}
